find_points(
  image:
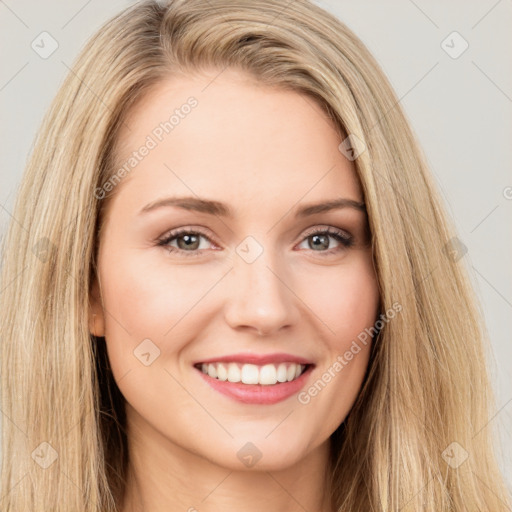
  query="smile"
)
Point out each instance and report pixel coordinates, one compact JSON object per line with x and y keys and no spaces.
{"x":255,"y":384}
{"x":266,"y":375}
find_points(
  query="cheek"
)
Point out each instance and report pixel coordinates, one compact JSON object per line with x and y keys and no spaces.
{"x":148,"y":298}
{"x":347,"y":305}
{"x":345,"y":299}
{"x":151,"y":299}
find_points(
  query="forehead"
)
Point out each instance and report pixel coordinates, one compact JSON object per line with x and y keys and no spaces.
{"x":227,"y":137}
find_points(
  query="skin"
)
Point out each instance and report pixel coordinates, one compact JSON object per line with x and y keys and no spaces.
{"x":265,"y":152}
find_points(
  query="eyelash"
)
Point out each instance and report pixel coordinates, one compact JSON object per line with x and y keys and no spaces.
{"x":345,"y":240}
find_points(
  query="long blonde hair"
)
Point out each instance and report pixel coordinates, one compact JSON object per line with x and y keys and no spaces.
{"x":426,"y":398}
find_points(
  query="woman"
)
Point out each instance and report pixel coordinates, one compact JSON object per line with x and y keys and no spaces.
{"x":232,"y":283}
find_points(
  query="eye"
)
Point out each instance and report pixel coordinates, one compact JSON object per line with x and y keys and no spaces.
{"x":188,"y":241}
{"x":319,"y":239}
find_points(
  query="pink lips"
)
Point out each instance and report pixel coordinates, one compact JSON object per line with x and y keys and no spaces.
{"x":258,"y":393}
{"x":259,"y":359}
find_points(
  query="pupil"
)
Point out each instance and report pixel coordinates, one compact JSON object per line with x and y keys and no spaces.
{"x":325,"y":244}
{"x":189,"y":241}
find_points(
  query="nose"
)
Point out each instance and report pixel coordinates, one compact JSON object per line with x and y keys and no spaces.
{"x":261,"y":297}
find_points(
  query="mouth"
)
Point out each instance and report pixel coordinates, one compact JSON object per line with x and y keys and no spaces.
{"x":257,"y":384}
{"x":253,"y":374}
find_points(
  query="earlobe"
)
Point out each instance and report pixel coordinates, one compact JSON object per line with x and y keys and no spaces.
{"x":96,"y":316}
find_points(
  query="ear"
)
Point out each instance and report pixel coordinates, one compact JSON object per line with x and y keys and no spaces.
{"x":96,"y":315}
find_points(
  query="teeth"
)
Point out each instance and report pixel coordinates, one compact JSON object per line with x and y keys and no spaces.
{"x":281,"y":373}
{"x":222,"y":372}
{"x":250,"y":374}
{"x":212,"y":371}
{"x":266,"y":375}
{"x":233,"y":373}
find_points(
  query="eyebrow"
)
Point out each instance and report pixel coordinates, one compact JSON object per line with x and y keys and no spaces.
{"x":223,"y":210}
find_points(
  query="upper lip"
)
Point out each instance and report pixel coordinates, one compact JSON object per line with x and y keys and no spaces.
{"x":258,"y":359}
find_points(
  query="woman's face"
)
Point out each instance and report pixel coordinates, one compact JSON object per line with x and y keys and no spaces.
{"x":246,"y":276}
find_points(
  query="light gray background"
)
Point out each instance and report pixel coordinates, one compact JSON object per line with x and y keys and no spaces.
{"x":459,"y":108}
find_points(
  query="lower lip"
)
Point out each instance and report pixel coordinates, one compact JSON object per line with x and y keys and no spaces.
{"x":258,"y":393}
